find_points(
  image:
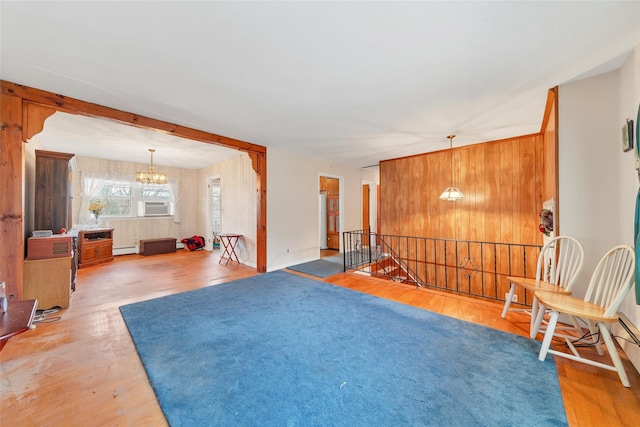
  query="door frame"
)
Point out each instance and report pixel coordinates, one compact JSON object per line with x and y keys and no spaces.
{"x":340,"y":207}
{"x":373,"y":205}
{"x":209,"y":240}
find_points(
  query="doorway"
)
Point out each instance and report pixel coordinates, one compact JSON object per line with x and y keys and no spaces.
{"x":214,"y":225}
{"x":330,"y":225}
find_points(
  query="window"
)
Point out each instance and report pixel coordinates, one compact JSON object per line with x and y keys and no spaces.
{"x":117,"y":198}
{"x":148,"y":193}
{"x":126,"y":198}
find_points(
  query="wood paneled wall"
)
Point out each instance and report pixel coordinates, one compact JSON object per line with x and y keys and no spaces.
{"x":504,"y":187}
{"x":502,"y":181}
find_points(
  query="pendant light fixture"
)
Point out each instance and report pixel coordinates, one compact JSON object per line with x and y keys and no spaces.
{"x":451,"y":194}
{"x":151,"y":176}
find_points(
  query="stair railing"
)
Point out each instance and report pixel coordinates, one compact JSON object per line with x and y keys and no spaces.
{"x":462,"y":266}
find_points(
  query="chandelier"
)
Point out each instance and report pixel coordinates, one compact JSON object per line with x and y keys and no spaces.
{"x":451,"y":194}
{"x":151,"y":176}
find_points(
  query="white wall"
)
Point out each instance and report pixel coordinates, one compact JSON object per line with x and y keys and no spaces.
{"x":598,"y":182}
{"x":629,"y":89}
{"x":589,"y":145}
{"x":238,"y":203}
{"x":292,"y":205}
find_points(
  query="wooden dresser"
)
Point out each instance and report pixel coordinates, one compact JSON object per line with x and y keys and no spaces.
{"x":95,"y":246}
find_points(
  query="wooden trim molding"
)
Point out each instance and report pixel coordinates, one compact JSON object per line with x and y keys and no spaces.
{"x":259,"y":162}
{"x":549,"y":130}
{"x":11,"y":213}
{"x":24,"y":111}
{"x":552,"y":97}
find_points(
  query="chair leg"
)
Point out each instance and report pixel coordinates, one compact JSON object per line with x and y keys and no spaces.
{"x":576,"y":324}
{"x":537,"y":312}
{"x":546,"y":342}
{"x":613,"y":353}
{"x":593,"y":328}
{"x":507,"y":303}
{"x":533,"y":331}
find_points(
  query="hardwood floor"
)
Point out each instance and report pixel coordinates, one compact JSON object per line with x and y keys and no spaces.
{"x":324,"y":253}
{"x":83,"y":369}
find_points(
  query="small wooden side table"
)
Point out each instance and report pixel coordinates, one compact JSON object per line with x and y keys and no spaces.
{"x":17,"y":319}
{"x":229,"y":242}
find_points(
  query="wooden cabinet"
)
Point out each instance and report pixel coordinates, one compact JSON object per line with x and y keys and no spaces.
{"x":48,"y":281}
{"x":158,"y":246}
{"x":95,"y":246}
{"x":52,"y":203}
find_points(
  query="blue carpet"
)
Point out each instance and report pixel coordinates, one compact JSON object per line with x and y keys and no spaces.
{"x":283,"y":350}
{"x":319,"y":268}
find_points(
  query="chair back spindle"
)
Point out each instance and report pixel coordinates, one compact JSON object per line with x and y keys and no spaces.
{"x":612,"y":279}
{"x":560,"y":261}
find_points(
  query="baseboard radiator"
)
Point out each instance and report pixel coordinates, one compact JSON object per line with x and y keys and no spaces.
{"x":125,"y":251}
{"x":130,"y":250}
{"x":629,"y":339}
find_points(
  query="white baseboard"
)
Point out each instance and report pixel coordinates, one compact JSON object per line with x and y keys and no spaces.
{"x":129,"y":250}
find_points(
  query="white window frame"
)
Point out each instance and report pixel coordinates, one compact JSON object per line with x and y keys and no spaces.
{"x":135,"y":197}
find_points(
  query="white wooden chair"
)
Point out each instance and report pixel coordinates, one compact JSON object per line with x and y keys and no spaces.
{"x":559,"y":263}
{"x":610,"y":283}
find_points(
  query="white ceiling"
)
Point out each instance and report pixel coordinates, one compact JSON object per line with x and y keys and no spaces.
{"x":351,"y":82}
{"x":104,"y":139}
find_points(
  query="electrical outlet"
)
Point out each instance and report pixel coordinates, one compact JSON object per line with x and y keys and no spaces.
{"x":287,"y":250}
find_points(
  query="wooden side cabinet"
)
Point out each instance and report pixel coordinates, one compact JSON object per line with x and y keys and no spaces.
{"x":49,"y":281}
{"x":52,"y":205}
{"x":95,"y":246}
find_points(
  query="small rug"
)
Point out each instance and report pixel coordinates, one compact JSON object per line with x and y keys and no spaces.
{"x":279,"y":349}
{"x":319,"y":268}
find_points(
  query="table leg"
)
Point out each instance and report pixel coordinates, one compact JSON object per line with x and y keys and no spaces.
{"x":229,"y":243}
{"x":232,"y":255}
{"x":225,"y":254}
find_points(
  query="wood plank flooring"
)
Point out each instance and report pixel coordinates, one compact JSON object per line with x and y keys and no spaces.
{"x":83,"y":370}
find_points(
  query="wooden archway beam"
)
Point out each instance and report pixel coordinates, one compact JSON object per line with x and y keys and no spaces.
{"x":83,"y":108}
{"x":24,"y":111}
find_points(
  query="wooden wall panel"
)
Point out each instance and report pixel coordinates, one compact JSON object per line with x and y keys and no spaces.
{"x":491,"y":193}
{"x":462,"y":179}
{"x":476,"y":198}
{"x":500,"y":180}
{"x":506,"y":194}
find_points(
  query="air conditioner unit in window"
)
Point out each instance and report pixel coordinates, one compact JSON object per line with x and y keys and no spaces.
{"x":155,"y":209}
